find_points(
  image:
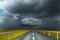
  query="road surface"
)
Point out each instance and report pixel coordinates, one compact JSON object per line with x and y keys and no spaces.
{"x":34,"y":36}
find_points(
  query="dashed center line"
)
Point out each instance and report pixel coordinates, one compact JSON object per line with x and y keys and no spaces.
{"x":33,"y":37}
{"x":33,"y":34}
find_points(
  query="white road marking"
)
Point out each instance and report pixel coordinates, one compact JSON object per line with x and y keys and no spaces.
{"x":33,"y":34}
{"x":33,"y":37}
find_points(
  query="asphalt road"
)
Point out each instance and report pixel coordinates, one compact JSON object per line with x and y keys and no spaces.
{"x":34,"y":36}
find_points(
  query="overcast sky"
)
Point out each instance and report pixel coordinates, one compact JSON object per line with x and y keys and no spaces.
{"x":12,"y":12}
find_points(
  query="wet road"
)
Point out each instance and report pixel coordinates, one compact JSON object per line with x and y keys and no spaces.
{"x":34,"y":36}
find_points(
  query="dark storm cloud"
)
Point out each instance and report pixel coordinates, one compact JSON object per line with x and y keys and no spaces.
{"x":50,"y":23}
{"x":46,"y":10}
{"x":40,"y":7}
